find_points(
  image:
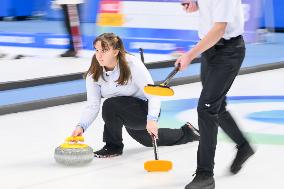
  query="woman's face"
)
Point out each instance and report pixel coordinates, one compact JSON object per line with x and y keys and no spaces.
{"x":107,"y":58}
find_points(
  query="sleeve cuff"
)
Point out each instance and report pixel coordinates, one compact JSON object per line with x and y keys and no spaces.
{"x":81,"y":126}
{"x":152,"y":118}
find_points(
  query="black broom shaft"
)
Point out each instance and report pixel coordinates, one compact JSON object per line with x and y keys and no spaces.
{"x":142,"y":55}
{"x":171,"y":75}
{"x":154,"y":140}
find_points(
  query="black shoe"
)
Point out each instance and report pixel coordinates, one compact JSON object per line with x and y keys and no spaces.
{"x":107,"y":152}
{"x":244,"y":152}
{"x":191,"y":131}
{"x":202,"y":180}
{"x":69,"y":53}
{"x":2,"y":55}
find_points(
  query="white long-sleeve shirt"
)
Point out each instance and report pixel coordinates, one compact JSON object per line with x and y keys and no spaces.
{"x":107,"y":88}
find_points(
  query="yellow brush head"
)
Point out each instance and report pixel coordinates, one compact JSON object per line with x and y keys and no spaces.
{"x":158,"y":90}
{"x":158,"y":165}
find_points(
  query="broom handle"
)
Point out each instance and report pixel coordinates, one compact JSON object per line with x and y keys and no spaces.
{"x":154,"y":141}
{"x":141,"y":51}
{"x":171,"y":75}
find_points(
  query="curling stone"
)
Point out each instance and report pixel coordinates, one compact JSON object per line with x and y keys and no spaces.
{"x":72,"y":152}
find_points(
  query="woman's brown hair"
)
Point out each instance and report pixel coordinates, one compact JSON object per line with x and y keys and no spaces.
{"x":110,"y":40}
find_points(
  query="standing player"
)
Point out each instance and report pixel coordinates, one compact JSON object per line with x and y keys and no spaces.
{"x":72,"y":25}
{"x":223,"y":50}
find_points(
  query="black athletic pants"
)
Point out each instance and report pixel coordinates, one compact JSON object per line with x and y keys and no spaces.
{"x":132,"y":113}
{"x":219,"y":67}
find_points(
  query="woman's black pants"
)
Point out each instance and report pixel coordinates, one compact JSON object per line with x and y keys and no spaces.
{"x":132,"y":113}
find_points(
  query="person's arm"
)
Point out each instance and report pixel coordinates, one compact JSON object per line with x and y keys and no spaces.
{"x":212,"y":37}
{"x":223,"y":12}
{"x":141,"y":77}
{"x":92,"y":108}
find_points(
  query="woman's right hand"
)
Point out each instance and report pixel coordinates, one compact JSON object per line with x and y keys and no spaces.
{"x":152,"y":128}
{"x":78,"y":131}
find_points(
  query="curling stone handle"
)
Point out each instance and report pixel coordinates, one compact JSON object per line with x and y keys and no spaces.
{"x":170,"y":76}
{"x":74,"y":139}
{"x":154,"y":141}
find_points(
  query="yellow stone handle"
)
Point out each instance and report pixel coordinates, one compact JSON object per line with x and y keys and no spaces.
{"x":74,"y":139}
{"x":72,"y":142}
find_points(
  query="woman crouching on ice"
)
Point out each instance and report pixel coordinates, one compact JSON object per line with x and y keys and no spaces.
{"x":120,"y":78}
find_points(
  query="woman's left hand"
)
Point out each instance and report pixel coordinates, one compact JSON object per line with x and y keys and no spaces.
{"x":152,"y":128}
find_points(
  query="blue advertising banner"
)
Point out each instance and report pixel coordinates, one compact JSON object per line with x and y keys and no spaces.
{"x":157,"y":26}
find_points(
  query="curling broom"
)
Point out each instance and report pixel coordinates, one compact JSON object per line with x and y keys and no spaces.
{"x":157,"y":165}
